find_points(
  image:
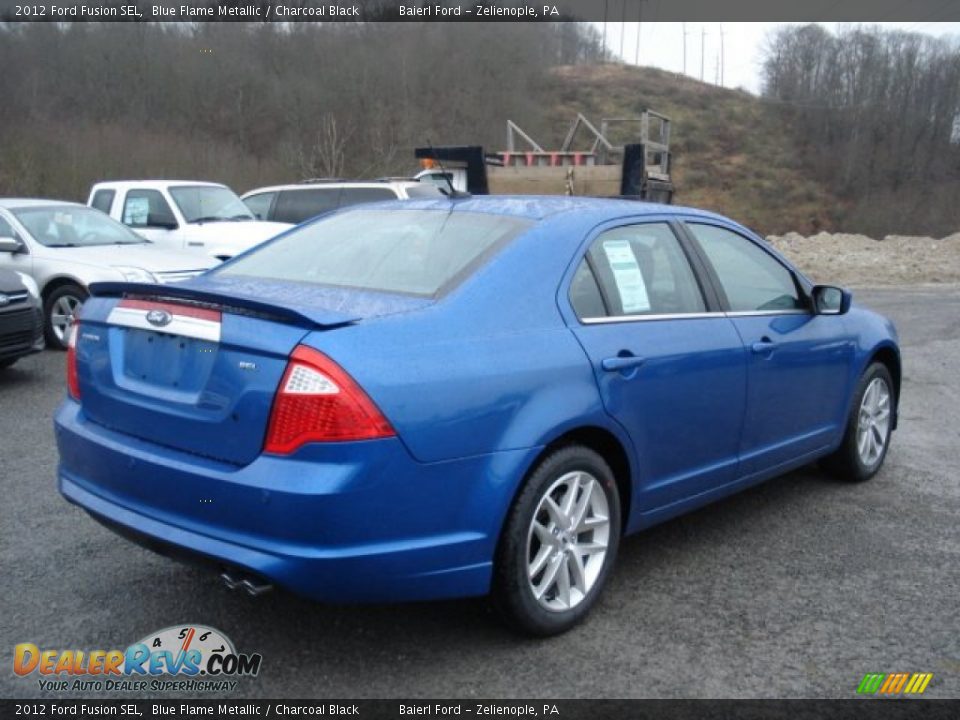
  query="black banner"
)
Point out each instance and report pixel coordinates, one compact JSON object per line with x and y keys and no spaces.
{"x":862,"y":709}
{"x":482,"y":10}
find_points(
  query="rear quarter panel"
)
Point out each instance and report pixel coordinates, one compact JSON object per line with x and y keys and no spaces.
{"x":490,"y":367}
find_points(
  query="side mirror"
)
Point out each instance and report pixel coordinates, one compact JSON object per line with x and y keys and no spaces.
{"x":10,"y":244}
{"x":830,"y":300}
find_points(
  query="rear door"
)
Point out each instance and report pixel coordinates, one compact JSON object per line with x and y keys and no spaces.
{"x":670,"y":366}
{"x":799,"y":362}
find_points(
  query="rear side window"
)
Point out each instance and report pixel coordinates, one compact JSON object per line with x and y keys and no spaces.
{"x":147,"y":208}
{"x":356,"y":196}
{"x":417,"y":252}
{"x":635,"y":270}
{"x":752,"y":279}
{"x":103,"y":200}
{"x":259,"y":205}
{"x":295,"y":206}
{"x":424,"y":190}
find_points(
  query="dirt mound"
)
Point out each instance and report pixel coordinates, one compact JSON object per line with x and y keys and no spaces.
{"x":846,"y":259}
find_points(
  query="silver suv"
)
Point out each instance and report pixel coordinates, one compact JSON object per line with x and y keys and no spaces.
{"x":296,"y":203}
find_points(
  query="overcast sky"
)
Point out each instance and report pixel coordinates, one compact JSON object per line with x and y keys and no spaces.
{"x":661,"y":45}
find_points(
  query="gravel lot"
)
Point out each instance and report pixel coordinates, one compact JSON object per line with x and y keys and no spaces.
{"x":793,"y":589}
{"x":854,"y":260}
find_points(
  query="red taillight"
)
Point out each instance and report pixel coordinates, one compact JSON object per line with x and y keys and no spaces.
{"x":318,"y":402}
{"x":73,"y":382}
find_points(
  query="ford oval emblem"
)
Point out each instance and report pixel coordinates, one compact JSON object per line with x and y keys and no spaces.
{"x":4,"y":300}
{"x":159,"y":318}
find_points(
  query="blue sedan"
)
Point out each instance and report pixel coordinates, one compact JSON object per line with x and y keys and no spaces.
{"x":458,"y":397}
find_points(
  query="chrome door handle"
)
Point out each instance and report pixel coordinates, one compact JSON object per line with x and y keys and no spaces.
{"x":621,"y":363}
{"x":764,"y":347}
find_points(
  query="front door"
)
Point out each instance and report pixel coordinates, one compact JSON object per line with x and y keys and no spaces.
{"x":148,"y":213}
{"x":799,"y":362}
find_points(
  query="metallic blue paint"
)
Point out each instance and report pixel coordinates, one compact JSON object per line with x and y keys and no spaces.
{"x":477,"y":384}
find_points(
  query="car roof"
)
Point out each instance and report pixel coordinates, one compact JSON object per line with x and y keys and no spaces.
{"x":539,"y":207}
{"x":16,"y":203}
{"x":335,"y":184}
{"x":152,"y":184}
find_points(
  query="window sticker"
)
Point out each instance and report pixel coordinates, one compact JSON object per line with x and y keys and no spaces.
{"x":627,"y":276}
{"x":136,"y":211}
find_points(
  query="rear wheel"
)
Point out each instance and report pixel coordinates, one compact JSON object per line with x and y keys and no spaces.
{"x":558,"y":544}
{"x":59,"y":310}
{"x":867,"y":436}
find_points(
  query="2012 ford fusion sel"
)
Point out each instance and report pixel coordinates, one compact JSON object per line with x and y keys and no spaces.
{"x":456,"y":397}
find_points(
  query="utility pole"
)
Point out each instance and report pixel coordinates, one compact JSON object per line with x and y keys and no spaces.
{"x":606,"y":4}
{"x":623,"y":29}
{"x":723,"y":59}
{"x":636,"y":59}
{"x":684,"y":48}
{"x":703,"y":46}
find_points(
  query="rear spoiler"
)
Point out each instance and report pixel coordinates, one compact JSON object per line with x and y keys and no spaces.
{"x":237,"y":304}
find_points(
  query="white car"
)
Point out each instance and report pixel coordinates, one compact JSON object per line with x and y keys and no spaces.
{"x":184,"y":215}
{"x":296,"y":203}
{"x":66,"y":246}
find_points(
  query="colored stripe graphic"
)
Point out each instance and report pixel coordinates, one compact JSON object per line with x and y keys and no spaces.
{"x":894,"y":683}
{"x":870,"y":683}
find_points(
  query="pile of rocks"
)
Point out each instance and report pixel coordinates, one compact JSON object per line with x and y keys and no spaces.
{"x":845,"y":259}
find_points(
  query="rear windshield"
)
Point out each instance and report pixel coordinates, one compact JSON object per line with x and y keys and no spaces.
{"x":418,"y":252}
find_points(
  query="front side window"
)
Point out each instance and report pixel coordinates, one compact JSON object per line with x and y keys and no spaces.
{"x":635,"y":270}
{"x":209,"y":203}
{"x":418,"y":252}
{"x":259,"y":204}
{"x":147,"y":208}
{"x":752,"y":279}
{"x":74,"y":226}
{"x":6,"y":231}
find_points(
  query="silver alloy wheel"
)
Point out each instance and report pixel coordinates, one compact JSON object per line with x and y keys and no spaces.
{"x":873,"y":423}
{"x":62,"y":314}
{"x":567,"y":541}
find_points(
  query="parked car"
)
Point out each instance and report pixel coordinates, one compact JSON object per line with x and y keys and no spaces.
{"x":184,"y":215}
{"x":433,"y":399}
{"x":21,"y":319}
{"x":66,"y":246}
{"x":296,"y":203}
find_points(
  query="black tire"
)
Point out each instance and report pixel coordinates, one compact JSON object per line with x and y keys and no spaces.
{"x":512,"y":593}
{"x":4,"y":364}
{"x":71,"y":291}
{"x":846,"y":463}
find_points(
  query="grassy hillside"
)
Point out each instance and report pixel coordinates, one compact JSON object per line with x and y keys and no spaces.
{"x":732,"y":152}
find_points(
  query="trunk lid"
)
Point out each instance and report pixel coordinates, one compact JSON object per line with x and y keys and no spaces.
{"x":195,"y":366}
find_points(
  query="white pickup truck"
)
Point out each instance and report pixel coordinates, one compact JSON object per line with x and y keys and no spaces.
{"x":184,"y":214}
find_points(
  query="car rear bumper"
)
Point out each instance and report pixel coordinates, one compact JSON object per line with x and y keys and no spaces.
{"x":341,"y":523}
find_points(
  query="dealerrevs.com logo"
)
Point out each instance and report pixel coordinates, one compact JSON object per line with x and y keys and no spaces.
{"x":177,"y":658}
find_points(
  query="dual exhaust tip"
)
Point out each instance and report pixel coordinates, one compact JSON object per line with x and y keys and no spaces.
{"x":237,"y":581}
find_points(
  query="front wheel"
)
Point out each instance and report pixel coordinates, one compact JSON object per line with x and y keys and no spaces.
{"x":59,"y":310}
{"x":558,"y":544}
{"x":867,"y":435}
